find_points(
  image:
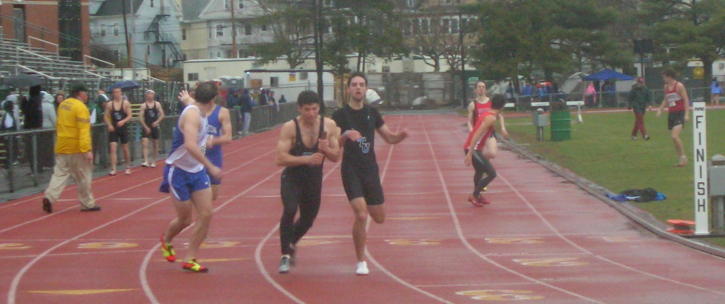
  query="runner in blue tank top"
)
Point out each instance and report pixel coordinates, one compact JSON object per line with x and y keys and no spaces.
{"x":220,"y":132}
{"x":186,"y":175}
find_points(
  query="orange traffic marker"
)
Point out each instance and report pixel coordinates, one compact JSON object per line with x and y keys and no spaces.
{"x":681,"y":227}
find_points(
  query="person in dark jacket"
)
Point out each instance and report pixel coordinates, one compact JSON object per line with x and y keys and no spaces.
{"x":246,"y":110}
{"x":639,"y":99}
{"x":31,"y":108}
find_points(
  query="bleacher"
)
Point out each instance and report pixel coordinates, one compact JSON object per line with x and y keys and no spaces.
{"x":21,"y":58}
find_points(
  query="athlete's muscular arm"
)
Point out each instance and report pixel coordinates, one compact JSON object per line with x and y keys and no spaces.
{"x":226,"y":136}
{"x":107,"y":116}
{"x":390,"y":137}
{"x":161,"y":115}
{"x":487,"y":123}
{"x":686,"y":99}
{"x":330,"y":146}
{"x":190,"y":129}
{"x":284,"y":144}
{"x":471,"y":108}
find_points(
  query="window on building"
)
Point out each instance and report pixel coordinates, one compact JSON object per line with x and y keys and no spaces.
{"x":241,"y":4}
{"x":410,"y":3}
{"x":446,"y":27}
{"x":193,"y":76}
{"x":329,"y":3}
{"x":264,"y":27}
{"x":115,"y":29}
{"x":226,"y":4}
{"x":103,"y":30}
{"x":219,"y":30}
{"x":152,"y":3}
{"x":274,"y":82}
{"x":454,"y":25}
{"x":424,"y":23}
{"x":183,"y":34}
{"x":304,"y":75}
{"x":247,"y":29}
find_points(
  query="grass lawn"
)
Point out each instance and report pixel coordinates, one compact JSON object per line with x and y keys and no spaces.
{"x":602,"y":151}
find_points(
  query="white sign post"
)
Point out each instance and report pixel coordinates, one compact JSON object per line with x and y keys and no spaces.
{"x":699,"y":138}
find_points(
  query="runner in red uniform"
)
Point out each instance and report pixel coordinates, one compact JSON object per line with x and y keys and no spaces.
{"x":476,"y":109}
{"x":678,"y":106}
{"x":474,"y":147}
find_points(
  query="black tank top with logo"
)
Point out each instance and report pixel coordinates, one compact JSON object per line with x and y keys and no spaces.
{"x":117,"y":115}
{"x":150,"y":115}
{"x":310,"y":173}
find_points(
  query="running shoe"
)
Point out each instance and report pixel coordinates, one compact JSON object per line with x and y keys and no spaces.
{"x":483,"y":201}
{"x":145,"y":165}
{"x":193,"y":266}
{"x":91,"y":209}
{"x":128,"y":171}
{"x":362,"y":268}
{"x":47,"y":206}
{"x":152,"y":165}
{"x":168,"y":251}
{"x":474,"y":201}
{"x":112,"y":173}
{"x":284,"y":264}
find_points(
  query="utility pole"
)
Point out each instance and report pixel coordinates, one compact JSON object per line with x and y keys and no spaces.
{"x":129,"y":53}
{"x":318,"y":48}
{"x":235,"y":52}
{"x":463,"y":58}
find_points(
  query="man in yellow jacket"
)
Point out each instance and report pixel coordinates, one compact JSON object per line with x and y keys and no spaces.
{"x":73,"y":153}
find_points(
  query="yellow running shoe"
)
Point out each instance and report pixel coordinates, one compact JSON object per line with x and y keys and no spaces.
{"x":168,"y":251}
{"x":193,"y":266}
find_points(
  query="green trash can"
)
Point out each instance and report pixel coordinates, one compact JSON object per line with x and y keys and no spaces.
{"x":560,"y":125}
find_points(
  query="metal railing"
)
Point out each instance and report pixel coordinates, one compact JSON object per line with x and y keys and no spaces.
{"x":27,"y":157}
{"x":57,"y":47}
{"x":91,"y":59}
{"x":34,"y":71}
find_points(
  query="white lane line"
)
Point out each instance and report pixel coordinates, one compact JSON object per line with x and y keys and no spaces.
{"x":459,"y":231}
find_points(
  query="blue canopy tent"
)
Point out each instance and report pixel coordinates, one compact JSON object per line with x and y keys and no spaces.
{"x":608,"y":96}
{"x":607,"y":74}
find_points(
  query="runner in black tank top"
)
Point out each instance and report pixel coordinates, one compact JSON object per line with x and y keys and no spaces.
{"x":120,"y":133}
{"x":302,"y":148}
{"x":150,"y":115}
{"x":301,"y":186}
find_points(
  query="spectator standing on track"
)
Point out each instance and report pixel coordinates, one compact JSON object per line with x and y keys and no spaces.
{"x":73,"y":155}
{"x":303,"y":145}
{"x":678,"y":106}
{"x":117,"y":115}
{"x":152,"y":113}
{"x":186,"y":175}
{"x":639,"y":99}
{"x":360,"y":174}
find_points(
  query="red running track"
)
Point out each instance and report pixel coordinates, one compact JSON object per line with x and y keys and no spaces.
{"x":542,"y":240}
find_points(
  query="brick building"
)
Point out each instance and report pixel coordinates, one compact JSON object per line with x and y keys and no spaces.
{"x":60,"y":25}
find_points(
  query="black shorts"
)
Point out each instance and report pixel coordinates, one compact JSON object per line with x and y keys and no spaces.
{"x":153,"y":135}
{"x":119,"y":134}
{"x":362,"y":182}
{"x":675,"y":118}
{"x":296,"y":190}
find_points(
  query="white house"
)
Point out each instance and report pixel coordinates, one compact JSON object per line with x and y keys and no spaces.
{"x":153,"y":26}
{"x":207,"y":28}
